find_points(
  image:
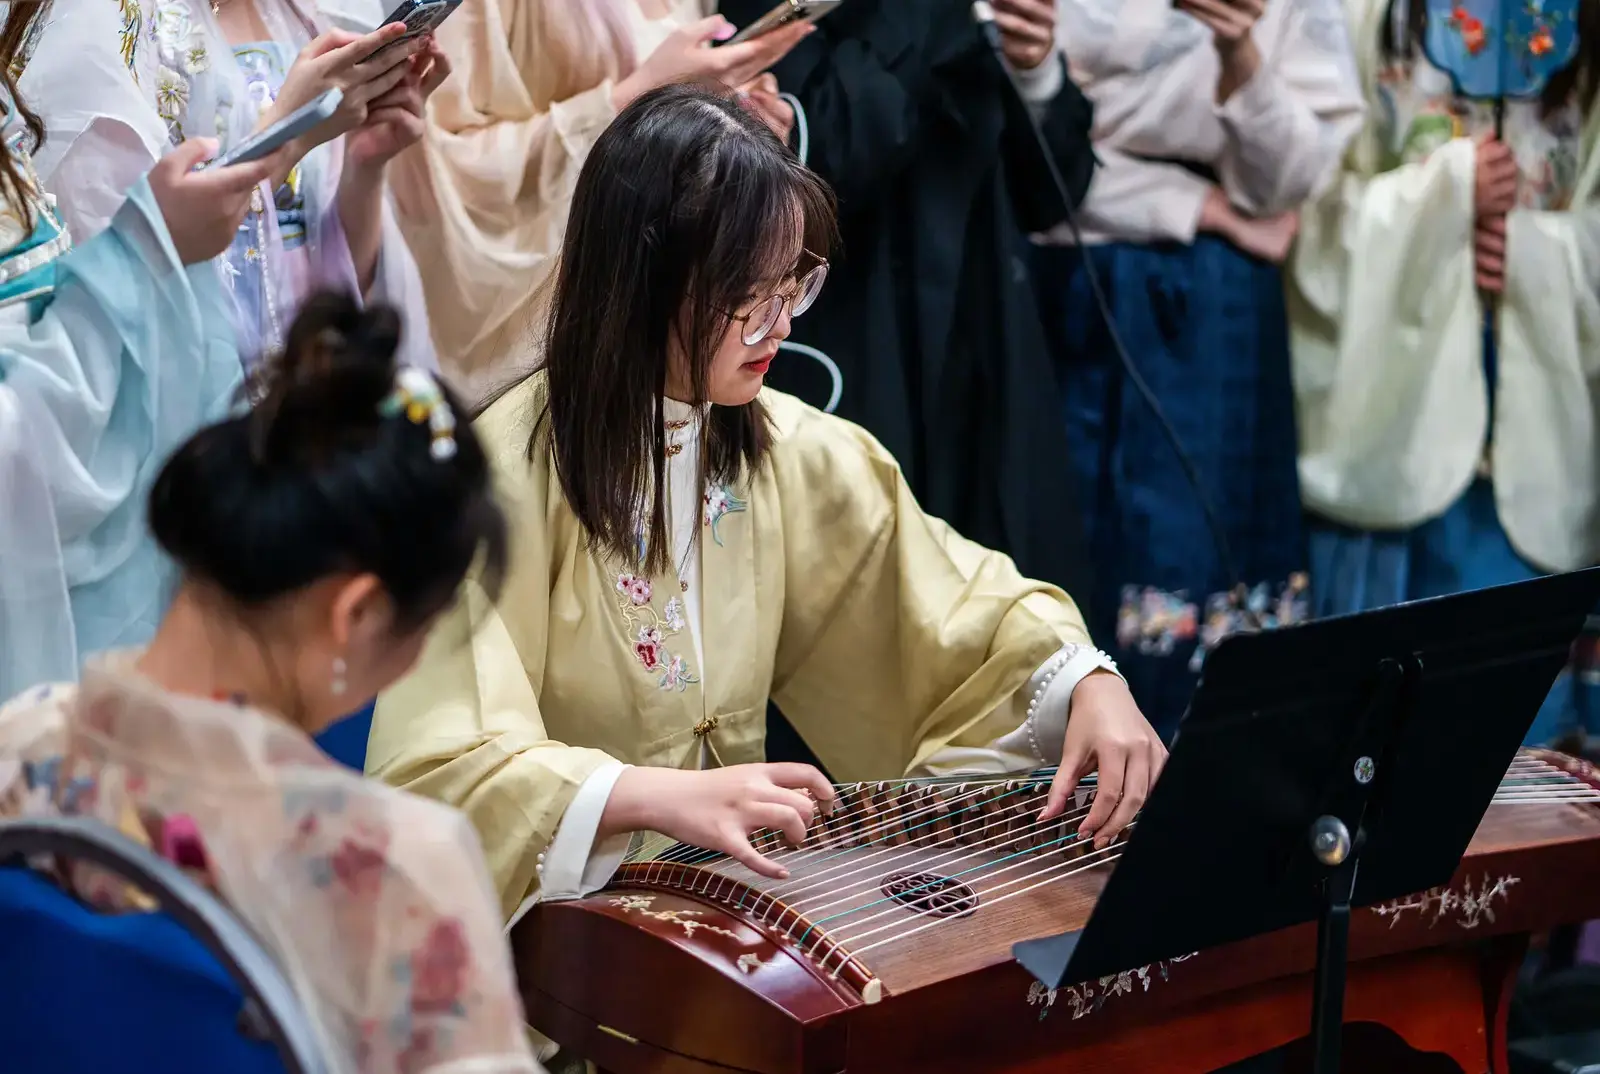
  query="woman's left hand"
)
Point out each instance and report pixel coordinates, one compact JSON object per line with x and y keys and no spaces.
{"x":1106,"y":732}
{"x":1489,"y":254}
{"x":760,"y":97}
{"x":395,"y":120}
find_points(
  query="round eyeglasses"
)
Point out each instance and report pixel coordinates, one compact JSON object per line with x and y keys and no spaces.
{"x":760,"y":321}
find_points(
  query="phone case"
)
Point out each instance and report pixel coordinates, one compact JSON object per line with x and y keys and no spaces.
{"x":421,"y":16}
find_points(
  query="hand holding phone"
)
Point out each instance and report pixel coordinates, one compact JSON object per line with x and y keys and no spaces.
{"x":203,"y":207}
{"x":684,"y":57}
{"x":1027,"y":31}
{"x":420,"y":17}
{"x":786,"y":13}
{"x":301,"y":121}
{"x":359,"y":66}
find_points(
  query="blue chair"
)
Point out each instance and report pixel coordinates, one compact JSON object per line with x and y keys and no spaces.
{"x":187,"y":990}
{"x":346,"y":741}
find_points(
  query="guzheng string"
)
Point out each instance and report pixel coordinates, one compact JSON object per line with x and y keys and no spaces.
{"x":950,"y":857}
{"x":891,"y":819}
{"x":893,"y":826}
{"x":985,"y":871}
{"x":988,"y":846}
{"x":1076,"y":866}
{"x":1529,"y":780}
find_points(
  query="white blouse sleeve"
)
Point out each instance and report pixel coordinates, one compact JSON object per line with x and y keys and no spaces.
{"x":1288,"y":126}
{"x":576,"y":865}
{"x":1041,"y":708}
{"x":1142,"y":201}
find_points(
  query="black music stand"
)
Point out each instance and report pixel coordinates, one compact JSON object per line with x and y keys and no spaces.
{"x":1340,"y":763}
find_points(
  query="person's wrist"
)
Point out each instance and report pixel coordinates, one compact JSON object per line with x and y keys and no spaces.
{"x":1216,"y":216}
{"x":1098,"y":683}
{"x":296,"y":149}
{"x":363,"y":175}
{"x":635,"y":800}
{"x":1037,"y":63}
{"x":1240,"y":59}
{"x":624,"y":92}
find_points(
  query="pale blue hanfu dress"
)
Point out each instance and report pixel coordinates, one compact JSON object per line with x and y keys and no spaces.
{"x":111,"y":355}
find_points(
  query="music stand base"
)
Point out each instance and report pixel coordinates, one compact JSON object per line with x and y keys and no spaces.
{"x":1333,"y":958}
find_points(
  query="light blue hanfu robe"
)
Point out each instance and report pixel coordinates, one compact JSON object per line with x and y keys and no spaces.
{"x":111,"y":355}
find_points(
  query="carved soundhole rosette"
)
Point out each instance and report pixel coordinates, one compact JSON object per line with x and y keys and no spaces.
{"x":931,"y":894}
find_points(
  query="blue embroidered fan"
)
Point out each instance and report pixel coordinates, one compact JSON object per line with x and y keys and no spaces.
{"x":1495,"y":49}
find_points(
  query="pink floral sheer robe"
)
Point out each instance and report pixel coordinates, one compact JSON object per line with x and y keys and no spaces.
{"x":376,"y":903}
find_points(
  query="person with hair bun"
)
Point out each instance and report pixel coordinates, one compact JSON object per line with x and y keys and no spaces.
{"x":688,"y":544}
{"x":319,"y":536}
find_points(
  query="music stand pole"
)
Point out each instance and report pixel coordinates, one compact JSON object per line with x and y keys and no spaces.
{"x":1331,"y":845}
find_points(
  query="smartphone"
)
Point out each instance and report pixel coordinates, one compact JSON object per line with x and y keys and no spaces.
{"x":420,"y":16}
{"x":300,"y":121}
{"x":789,"y":11}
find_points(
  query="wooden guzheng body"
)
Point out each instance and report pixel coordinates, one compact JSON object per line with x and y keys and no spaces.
{"x":888,"y":948}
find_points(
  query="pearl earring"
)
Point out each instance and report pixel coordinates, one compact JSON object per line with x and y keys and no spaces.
{"x":338,"y":676}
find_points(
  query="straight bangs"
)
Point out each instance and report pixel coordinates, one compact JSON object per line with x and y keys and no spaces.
{"x":765,"y":219}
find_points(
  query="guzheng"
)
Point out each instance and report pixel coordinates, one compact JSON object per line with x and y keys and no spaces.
{"x":888,"y":947}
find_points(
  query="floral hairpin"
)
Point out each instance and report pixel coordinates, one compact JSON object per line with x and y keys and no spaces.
{"x":416,"y":395}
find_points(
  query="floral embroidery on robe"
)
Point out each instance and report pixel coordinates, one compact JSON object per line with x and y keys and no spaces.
{"x":1155,"y":622}
{"x":651,"y":629}
{"x":720,"y":503}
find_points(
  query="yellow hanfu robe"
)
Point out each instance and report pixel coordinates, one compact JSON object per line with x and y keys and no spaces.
{"x":884,"y":636}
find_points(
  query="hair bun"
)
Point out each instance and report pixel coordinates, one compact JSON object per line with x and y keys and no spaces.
{"x":322,"y":394}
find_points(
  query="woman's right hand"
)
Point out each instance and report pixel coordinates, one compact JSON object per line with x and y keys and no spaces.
{"x":1266,"y":237}
{"x":1495,"y":182}
{"x":686,"y":56}
{"x":719,"y":808}
{"x":203,"y":209}
{"x":356,"y":64}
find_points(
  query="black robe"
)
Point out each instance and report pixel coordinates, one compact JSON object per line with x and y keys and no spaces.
{"x":928,"y":311}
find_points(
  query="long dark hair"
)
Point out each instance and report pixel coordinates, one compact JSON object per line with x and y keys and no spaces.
{"x":681,"y":214}
{"x":19,"y":20}
{"x":1580,"y":79}
{"x":320,"y":478}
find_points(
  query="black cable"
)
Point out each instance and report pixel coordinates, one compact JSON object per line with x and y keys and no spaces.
{"x":983,"y":15}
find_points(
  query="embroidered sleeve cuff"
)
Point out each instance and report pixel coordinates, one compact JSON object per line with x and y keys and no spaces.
{"x":574,"y":865}
{"x":1043,"y":705}
{"x":1050,"y":697}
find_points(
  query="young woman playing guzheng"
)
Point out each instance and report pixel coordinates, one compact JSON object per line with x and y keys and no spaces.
{"x":319,"y":537}
{"x":686,"y":545}
{"x":111,"y":354}
{"x":1427,"y":471}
